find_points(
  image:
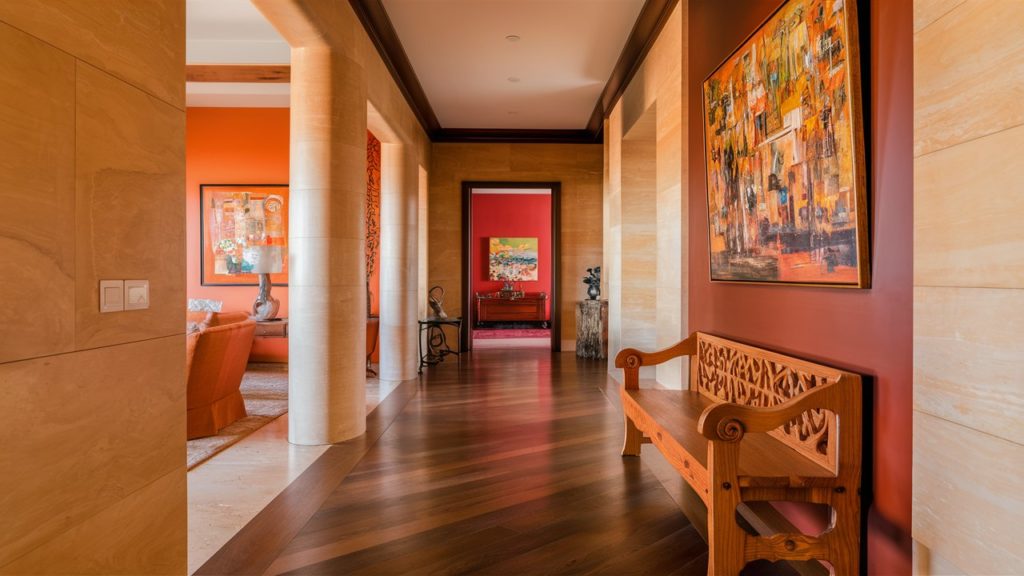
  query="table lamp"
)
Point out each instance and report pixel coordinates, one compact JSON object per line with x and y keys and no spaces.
{"x":266,"y":260}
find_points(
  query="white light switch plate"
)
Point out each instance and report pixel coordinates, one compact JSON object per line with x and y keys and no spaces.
{"x":136,"y":294}
{"x":111,"y":295}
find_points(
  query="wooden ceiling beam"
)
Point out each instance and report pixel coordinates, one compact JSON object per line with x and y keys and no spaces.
{"x":260,"y":73}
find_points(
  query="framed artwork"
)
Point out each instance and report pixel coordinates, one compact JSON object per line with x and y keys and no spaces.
{"x":513,"y":259}
{"x":235,"y":215}
{"x":784,"y":152}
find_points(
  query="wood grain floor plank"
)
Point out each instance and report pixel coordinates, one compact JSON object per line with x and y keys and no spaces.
{"x":258,"y":543}
{"x":508,"y":464}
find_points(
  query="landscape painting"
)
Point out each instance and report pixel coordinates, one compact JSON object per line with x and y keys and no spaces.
{"x":784,"y":152}
{"x":513,"y":259}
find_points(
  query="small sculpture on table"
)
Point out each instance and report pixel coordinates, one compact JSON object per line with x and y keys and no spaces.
{"x":509,"y":291}
{"x":592,"y":319}
{"x":437,"y":343}
{"x":593,"y":282}
{"x":437,"y":301}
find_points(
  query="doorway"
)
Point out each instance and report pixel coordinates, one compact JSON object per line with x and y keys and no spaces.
{"x":510,"y":264}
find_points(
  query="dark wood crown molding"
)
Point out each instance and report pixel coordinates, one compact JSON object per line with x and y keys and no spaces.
{"x":378,"y":26}
{"x":375,"y":20}
{"x":515,"y":136}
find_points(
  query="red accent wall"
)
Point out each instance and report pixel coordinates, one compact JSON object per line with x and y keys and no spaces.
{"x":868,"y":331}
{"x":234,"y":146}
{"x":514,"y":216}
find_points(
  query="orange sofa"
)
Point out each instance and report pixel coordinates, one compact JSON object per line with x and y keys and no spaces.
{"x":216,"y":357}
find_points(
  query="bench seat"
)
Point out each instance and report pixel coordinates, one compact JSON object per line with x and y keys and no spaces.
{"x":764,"y":460}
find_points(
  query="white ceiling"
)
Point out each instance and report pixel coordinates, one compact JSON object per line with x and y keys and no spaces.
{"x":233,"y":32}
{"x":459,"y":51}
{"x":565,"y":55}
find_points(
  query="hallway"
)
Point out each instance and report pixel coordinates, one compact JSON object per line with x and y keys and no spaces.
{"x":509,"y":465}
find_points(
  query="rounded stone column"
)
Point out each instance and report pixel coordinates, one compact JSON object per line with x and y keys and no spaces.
{"x":327,"y":271}
{"x":399,"y":265}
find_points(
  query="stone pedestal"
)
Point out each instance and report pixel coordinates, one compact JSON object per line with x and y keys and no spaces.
{"x":592,"y":329}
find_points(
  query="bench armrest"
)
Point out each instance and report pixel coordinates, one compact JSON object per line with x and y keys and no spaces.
{"x":728,"y":422}
{"x":631,"y":359}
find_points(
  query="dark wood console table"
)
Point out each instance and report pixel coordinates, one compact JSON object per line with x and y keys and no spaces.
{"x":523,"y":307}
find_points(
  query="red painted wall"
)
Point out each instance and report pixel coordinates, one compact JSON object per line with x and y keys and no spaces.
{"x":868,"y":331}
{"x":234,"y":146}
{"x":515,"y":216}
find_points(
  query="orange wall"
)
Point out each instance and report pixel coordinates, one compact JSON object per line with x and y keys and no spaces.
{"x":234,"y":146}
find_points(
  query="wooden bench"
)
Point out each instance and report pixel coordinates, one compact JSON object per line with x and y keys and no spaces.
{"x":755,"y":425}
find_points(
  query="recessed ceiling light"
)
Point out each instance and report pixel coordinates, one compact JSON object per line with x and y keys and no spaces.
{"x":513,"y":79}
{"x":513,"y":38}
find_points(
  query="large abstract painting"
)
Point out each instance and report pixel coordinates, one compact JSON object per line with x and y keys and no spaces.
{"x":233,"y":216}
{"x":513,"y":259}
{"x":784,"y":152}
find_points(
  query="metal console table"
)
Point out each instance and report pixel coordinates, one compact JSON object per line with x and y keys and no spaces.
{"x":437,"y":347}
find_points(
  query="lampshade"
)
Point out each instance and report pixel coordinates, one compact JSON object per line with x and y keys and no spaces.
{"x":265,"y":259}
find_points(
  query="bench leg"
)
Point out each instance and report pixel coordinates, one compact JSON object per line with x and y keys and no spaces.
{"x":725,"y":541}
{"x":634,"y":439}
{"x":845,"y":534}
{"x":725,"y":536}
{"x":845,"y":565}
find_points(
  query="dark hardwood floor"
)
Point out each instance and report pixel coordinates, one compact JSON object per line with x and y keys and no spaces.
{"x":507,"y":465}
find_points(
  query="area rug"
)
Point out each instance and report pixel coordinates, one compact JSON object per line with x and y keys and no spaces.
{"x":265,"y":392}
{"x":495,"y":334}
{"x":510,"y":343}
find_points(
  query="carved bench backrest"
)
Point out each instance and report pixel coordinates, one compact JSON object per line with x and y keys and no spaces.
{"x":727,"y":371}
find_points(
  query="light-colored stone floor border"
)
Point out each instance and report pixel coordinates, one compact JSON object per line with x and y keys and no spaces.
{"x":230,"y":489}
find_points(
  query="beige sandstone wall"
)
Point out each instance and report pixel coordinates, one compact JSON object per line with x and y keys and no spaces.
{"x":968,"y":286}
{"x":577,"y":166}
{"x":92,"y":137}
{"x":645,"y":210}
